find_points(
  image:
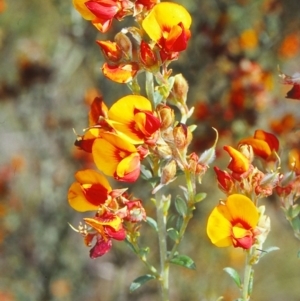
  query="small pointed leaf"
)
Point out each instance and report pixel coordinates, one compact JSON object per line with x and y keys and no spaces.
{"x":138,"y":282}
{"x":234,"y":275}
{"x":130,"y":245}
{"x":181,"y":206}
{"x":184,"y":261}
{"x":151,"y":222}
{"x":173,"y":234}
{"x":200,"y":197}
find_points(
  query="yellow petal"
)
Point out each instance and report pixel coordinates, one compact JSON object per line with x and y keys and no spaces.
{"x":83,"y":10}
{"x":128,"y":165}
{"x":164,"y":16}
{"x":242,"y":210}
{"x":122,"y":73}
{"x":78,"y":201}
{"x":90,"y":176}
{"x":219,"y":227}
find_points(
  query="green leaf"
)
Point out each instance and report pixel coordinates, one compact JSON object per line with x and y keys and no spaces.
{"x":173,"y":234}
{"x":138,"y":282}
{"x":179,"y":222}
{"x":296,"y":210}
{"x":184,"y":261}
{"x":130,"y":245}
{"x":151,"y":222}
{"x":200,"y":197}
{"x":234,"y":275}
{"x":181,"y":206}
{"x":145,"y":173}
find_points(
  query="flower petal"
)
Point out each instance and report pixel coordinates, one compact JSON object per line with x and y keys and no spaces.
{"x":163,"y":17}
{"x":242,"y":210}
{"x":219,"y":227}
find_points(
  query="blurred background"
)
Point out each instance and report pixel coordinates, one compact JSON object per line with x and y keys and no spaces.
{"x":50,"y":70}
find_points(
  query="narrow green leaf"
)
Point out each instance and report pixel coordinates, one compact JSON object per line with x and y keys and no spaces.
{"x":179,"y":222}
{"x":144,"y":251}
{"x":173,"y":234}
{"x":138,"y":282}
{"x":184,"y":261}
{"x":200,"y":197}
{"x":234,"y":275}
{"x":130,"y":245}
{"x":181,"y":206}
{"x":298,"y":255}
{"x":151,"y":222}
{"x":145,"y":173}
{"x":296,"y":210}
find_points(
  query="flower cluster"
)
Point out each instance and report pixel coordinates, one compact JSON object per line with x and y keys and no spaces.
{"x":119,"y":138}
{"x":239,"y":221}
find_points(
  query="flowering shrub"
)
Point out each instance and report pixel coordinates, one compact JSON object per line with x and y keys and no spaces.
{"x":147,"y":134}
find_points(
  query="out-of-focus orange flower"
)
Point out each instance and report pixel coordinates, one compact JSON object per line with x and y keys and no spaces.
{"x":294,"y":160}
{"x":2,"y":5}
{"x":168,"y":25}
{"x":284,"y":124}
{"x":239,"y":163}
{"x":102,"y":12}
{"x":264,"y":144}
{"x":121,"y":73}
{"x":116,"y":157}
{"x":290,"y":46}
{"x":132,"y":118}
{"x":89,"y":192}
{"x":233,"y":222}
{"x":248,"y":39}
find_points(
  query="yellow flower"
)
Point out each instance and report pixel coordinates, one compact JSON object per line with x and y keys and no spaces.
{"x":116,"y":157}
{"x":264,"y":144}
{"x":132,"y":118}
{"x":168,"y":25}
{"x":233,"y":222}
{"x":89,"y":192}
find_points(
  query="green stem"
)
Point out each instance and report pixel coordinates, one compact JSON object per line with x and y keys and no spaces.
{"x":143,"y":258}
{"x":150,"y":87}
{"x":162,"y":241}
{"x":248,"y":275}
{"x":191,"y":203}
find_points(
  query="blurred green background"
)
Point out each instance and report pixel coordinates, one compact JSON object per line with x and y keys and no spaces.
{"x":50,"y":67}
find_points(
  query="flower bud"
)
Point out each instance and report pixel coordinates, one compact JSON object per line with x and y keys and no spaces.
{"x":110,"y":50}
{"x":179,"y":90}
{"x":168,"y":172}
{"x":148,"y":56}
{"x":125,"y":44}
{"x":166,"y":115}
{"x":182,"y":136}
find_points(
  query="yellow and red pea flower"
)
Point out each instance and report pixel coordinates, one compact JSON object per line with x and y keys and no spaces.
{"x":168,"y":25}
{"x":264,"y":144}
{"x":239,"y":164}
{"x":116,"y":157}
{"x":294,"y":160}
{"x":102,"y":12}
{"x":121,"y":73}
{"x":111,"y":50}
{"x":225,"y":180}
{"x":104,"y":227}
{"x":233,"y":222}
{"x":133,"y":119}
{"x":89,"y":192}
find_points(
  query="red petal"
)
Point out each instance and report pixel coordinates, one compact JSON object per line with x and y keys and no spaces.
{"x":100,"y":248}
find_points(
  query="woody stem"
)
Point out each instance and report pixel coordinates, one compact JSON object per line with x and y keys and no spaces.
{"x":162,"y":241}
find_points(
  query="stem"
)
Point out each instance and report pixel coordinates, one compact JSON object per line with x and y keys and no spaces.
{"x":150,"y":87}
{"x":162,"y":241}
{"x":191,"y":193}
{"x":248,"y":275}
